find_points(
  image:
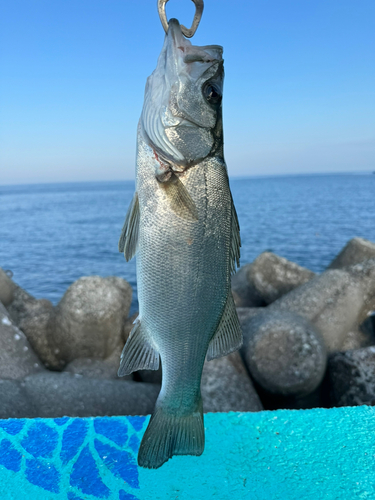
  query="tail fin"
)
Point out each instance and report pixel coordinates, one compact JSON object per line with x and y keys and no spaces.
{"x":169,"y":434}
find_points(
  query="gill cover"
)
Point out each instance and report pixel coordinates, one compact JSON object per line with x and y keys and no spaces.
{"x":182,"y":104}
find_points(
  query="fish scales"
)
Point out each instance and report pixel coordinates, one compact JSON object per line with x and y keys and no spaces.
{"x":185,"y":266}
{"x":183,"y":228}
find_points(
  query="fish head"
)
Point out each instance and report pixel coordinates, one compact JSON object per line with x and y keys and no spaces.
{"x":181,"y":116}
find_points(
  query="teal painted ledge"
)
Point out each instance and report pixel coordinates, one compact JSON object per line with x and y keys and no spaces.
{"x":285,"y":454}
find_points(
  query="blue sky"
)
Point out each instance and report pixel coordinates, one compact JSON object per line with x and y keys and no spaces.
{"x":299,"y":92}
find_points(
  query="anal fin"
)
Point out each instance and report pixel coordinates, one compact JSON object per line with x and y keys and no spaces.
{"x":228,"y":336}
{"x":139,"y":352}
{"x":129,"y":235}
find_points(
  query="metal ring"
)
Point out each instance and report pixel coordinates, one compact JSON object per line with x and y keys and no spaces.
{"x":188,"y":32}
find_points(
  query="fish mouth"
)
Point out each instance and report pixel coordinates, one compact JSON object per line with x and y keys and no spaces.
{"x":182,"y":49}
{"x":191,"y":60}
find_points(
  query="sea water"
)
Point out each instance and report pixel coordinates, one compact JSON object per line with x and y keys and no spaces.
{"x":52,"y":234}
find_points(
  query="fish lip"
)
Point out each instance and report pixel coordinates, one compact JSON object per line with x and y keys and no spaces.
{"x":183,"y":53}
{"x":174,"y":32}
{"x":176,"y":40}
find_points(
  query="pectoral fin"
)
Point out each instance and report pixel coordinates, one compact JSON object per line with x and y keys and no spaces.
{"x":179,"y":199}
{"x":235,"y":242}
{"x":228,"y":336}
{"x":129,"y":235}
{"x":139,"y":352}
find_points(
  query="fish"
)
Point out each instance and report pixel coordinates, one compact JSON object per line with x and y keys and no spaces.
{"x":183,"y":228}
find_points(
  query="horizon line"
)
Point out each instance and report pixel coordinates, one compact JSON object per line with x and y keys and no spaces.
{"x":231,"y":177}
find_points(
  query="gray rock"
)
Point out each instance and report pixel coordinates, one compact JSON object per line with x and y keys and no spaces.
{"x":17,"y":359}
{"x":316,"y":399}
{"x":351,"y":377}
{"x":33,"y":317}
{"x":14,"y":402}
{"x":364,"y":273}
{"x":284,"y":353}
{"x":363,"y":336}
{"x":98,"y":368}
{"x":355,"y":339}
{"x":274,"y":276}
{"x":92,"y":368}
{"x":244,"y":293}
{"x":266,"y":279}
{"x":89,"y":319}
{"x":336,"y":302}
{"x":113,"y":362}
{"x":35,"y":323}
{"x":6,"y":288}
{"x":226,"y":386}
{"x":60,"y":394}
{"x":368,"y":328}
{"x":149,"y":376}
{"x":18,"y":307}
{"x":245,"y":313}
{"x":355,"y":251}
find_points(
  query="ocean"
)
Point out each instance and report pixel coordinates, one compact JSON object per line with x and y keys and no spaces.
{"x":52,"y":234}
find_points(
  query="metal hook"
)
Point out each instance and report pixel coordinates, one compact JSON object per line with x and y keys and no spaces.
{"x":188,"y":32}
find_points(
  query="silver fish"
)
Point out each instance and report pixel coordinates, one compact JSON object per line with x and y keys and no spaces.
{"x":183,"y":226}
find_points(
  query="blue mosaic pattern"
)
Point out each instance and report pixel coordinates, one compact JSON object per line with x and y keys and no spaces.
{"x":74,"y":458}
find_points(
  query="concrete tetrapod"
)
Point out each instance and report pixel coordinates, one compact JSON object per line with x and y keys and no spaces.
{"x":60,"y":394}
{"x":266,"y":279}
{"x":226,"y":386}
{"x":88,"y":321}
{"x":335,"y":302}
{"x":284,"y":353}
{"x":35,"y":323}
{"x":98,"y":368}
{"x":355,"y":251}
{"x":6,"y":288}
{"x":32,"y":316}
{"x":17,"y":359}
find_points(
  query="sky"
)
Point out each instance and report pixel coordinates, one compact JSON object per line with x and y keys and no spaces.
{"x":299,"y":94}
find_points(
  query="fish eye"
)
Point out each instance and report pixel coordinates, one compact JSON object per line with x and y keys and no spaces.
{"x":211,"y":93}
